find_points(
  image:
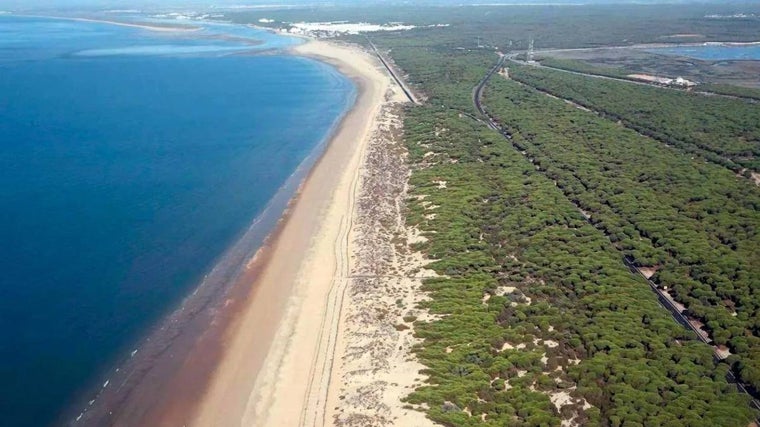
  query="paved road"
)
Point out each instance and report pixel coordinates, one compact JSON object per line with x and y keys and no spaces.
{"x":398,"y":80}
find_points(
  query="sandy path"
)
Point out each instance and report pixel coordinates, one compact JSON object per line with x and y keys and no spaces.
{"x":297,"y":302}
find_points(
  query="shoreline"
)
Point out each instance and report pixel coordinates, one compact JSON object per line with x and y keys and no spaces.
{"x":147,"y":383}
{"x":263,"y":366}
{"x":199,"y":320}
{"x":215,"y":356}
{"x":158,"y":28}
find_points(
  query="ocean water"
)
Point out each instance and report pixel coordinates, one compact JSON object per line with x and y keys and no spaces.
{"x":713,"y":52}
{"x":130,"y":160}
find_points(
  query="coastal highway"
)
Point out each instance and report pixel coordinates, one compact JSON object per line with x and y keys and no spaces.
{"x":477,"y":94}
{"x":393,"y":74}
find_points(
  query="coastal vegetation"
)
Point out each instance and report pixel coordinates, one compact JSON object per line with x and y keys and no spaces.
{"x":723,"y":130}
{"x":732,"y":90}
{"x":539,"y":319}
{"x":693,"y":222}
{"x":583,"y":67}
{"x":623,"y":73}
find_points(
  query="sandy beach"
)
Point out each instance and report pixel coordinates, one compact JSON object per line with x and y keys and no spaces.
{"x":282,"y":357}
{"x":151,"y":27}
{"x":278,"y":345}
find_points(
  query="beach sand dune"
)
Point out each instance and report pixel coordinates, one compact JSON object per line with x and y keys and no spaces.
{"x":282,"y":357}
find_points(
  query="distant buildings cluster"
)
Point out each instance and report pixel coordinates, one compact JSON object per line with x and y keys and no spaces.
{"x":337,"y":28}
{"x":734,"y":16}
{"x":664,"y":81}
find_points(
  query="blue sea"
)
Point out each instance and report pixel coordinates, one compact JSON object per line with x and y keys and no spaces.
{"x":131,"y":160}
{"x":713,"y":52}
